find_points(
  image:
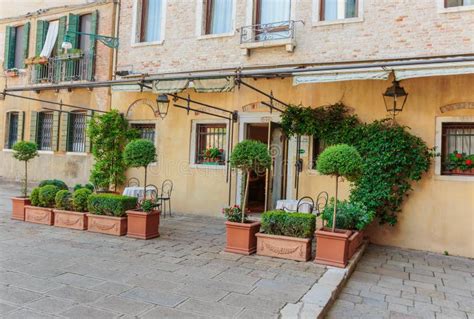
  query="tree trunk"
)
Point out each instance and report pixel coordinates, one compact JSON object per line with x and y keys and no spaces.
{"x":244,"y":203}
{"x":144,"y":187}
{"x":25,"y":185}
{"x":335,"y":206}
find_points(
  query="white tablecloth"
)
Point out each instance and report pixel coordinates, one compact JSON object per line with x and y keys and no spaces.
{"x":136,"y":191}
{"x":290,"y":205}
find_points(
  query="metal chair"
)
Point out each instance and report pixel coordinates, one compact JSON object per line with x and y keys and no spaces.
{"x":321,"y":202}
{"x":165,"y":196}
{"x":133,"y":181}
{"x":303,"y":201}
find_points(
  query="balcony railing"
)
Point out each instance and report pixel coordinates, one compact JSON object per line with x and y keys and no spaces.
{"x":68,"y":68}
{"x":284,"y":30}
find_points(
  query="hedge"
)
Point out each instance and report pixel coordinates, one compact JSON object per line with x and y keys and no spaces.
{"x":288,"y":224}
{"x":111,"y":204}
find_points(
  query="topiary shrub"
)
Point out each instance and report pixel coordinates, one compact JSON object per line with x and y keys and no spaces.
{"x":63,"y":199}
{"x":56,"y":182}
{"x":47,"y":196}
{"x":140,"y":153}
{"x":111,"y":204}
{"x":88,"y":186}
{"x":80,"y":199}
{"x":34,"y":197}
{"x":288,"y":224}
{"x":249,"y":156}
{"x":350,"y":215}
{"x":25,"y":151}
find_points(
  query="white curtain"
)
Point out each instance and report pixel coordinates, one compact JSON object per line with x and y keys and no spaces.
{"x":50,"y":39}
{"x":274,"y":11}
{"x":152,"y":25}
{"x":330,"y":10}
{"x":221,"y":16}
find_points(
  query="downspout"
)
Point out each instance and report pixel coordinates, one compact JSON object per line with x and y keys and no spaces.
{"x":114,"y":54}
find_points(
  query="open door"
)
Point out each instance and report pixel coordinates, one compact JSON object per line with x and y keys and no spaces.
{"x":276,"y":177}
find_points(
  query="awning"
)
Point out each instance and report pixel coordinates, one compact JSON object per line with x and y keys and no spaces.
{"x":170,"y":86}
{"x":343,"y":75}
{"x":226,"y":84}
{"x":436,"y":70}
{"x":50,"y":40}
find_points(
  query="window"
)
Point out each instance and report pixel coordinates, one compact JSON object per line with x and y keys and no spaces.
{"x":45,"y":131}
{"x":19,"y":46}
{"x":77,"y":132}
{"x":458,"y":3}
{"x":457,"y":138}
{"x":317,"y":148}
{"x":150,"y":20}
{"x":210,"y":144}
{"x":85,"y":25}
{"x":274,"y":15}
{"x":218,"y":16}
{"x":331,"y":10}
{"x":16,"y":46}
{"x":12,"y":129}
{"x":146,"y":131}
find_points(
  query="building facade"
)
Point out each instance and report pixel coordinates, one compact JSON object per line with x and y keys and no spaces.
{"x":242,"y":56}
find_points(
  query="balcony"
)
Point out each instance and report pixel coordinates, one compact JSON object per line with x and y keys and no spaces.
{"x":268,"y":35}
{"x":60,"y":69}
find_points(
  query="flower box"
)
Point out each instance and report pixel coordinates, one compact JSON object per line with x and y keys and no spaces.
{"x":70,"y":219}
{"x":39,"y":215}
{"x":143,"y":225}
{"x":18,"y":207}
{"x":241,"y":237}
{"x":355,"y":241}
{"x":12,"y":73}
{"x":332,"y":247}
{"x":109,"y":225}
{"x":285,"y":247}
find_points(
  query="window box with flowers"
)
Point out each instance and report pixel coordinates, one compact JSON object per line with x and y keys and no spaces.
{"x":213,"y":156}
{"x":460,"y":163}
{"x":11,"y":73}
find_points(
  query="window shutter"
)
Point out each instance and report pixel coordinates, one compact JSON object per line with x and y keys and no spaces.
{"x":73,"y":26}
{"x":88,"y":147}
{"x":94,"y":29}
{"x":26,"y":42}
{"x":10,"y":41}
{"x":21,"y":124}
{"x":61,"y":34}
{"x":41,"y":32}
{"x":34,"y":126}
{"x":55,"y":133}
{"x":63,"y":132}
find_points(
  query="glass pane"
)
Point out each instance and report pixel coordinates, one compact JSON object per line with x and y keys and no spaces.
{"x":221,"y":16}
{"x":151,"y":20}
{"x":338,"y":9}
{"x":12,"y":130}
{"x":210,"y":144}
{"x":330,"y":10}
{"x":146,"y":131}
{"x":19,"y":47}
{"x":45,"y":131}
{"x":454,"y":3}
{"x":274,"y":11}
{"x":86,"y":27}
{"x":77,"y":140}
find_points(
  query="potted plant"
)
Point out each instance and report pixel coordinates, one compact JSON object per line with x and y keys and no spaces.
{"x":107,"y":213}
{"x":332,"y":244}
{"x":455,"y":162}
{"x":12,"y":72}
{"x":23,"y":151}
{"x":350,"y":215}
{"x":71,"y":209}
{"x":213,"y":155}
{"x":144,"y":223}
{"x":247,"y":156}
{"x":286,"y":235}
{"x":140,"y":153}
{"x":42,"y":203}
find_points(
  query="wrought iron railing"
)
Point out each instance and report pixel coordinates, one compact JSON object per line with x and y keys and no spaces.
{"x":63,"y":69}
{"x":267,"y":32}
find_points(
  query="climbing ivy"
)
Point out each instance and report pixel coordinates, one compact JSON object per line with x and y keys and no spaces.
{"x":392,"y":157}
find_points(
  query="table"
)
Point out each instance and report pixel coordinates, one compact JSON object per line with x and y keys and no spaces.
{"x":137,"y":191}
{"x":290,"y":205}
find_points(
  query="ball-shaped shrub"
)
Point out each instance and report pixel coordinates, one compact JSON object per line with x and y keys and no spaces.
{"x":80,"y":198}
{"x":63,"y":199}
{"x":56,"y":182}
{"x":139,"y":153}
{"x":250,"y":155}
{"x":89,"y":186}
{"x":340,"y":160}
{"x":24,"y":151}
{"x":47,"y":195}
{"x":34,"y":197}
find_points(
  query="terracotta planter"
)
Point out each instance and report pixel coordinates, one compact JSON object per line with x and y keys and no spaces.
{"x":18,"y":207}
{"x":143,"y":225}
{"x":284,"y":247}
{"x":70,"y":219}
{"x":241,"y":237}
{"x":110,"y":225}
{"x":355,"y":241}
{"x":39,"y":215}
{"x":332,"y":248}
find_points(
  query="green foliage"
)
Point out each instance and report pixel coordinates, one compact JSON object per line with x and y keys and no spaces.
{"x":34,"y":196}
{"x":350,"y":215}
{"x":288,"y":224}
{"x":392,"y":158}
{"x":88,"y":186}
{"x":460,"y":161}
{"x":47,"y":195}
{"x":147,"y":205}
{"x":63,"y":200}
{"x":111,"y":204}
{"x":250,"y":155}
{"x":233,"y":214}
{"x":80,"y":199}
{"x":140,"y":153}
{"x":25,"y":151}
{"x":109,"y":133}
{"x":340,"y":160}
{"x":55,"y":182}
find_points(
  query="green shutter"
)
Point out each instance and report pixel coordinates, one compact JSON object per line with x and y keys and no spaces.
{"x":88,"y":147}
{"x":58,"y":68}
{"x":26,"y":43}
{"x":73,"y":27}
{"x":55,"y":133}
{"x":10,"y":43}
{"x":21,"y":124}
{"x":34,"y":126}
{"x":91,"y":62}
{"x":41,"y":32}
{"x":63,"y":132}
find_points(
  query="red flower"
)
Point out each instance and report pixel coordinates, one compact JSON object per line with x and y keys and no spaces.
{"x":458,"y":155}
{"x":468,"y":162}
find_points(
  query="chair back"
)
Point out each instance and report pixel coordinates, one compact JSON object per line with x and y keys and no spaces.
{"x":133,"y":181}
{"x":166,"y":188}
{"x":305,"y":201}
{"x":152,"y":191}
{"x":321,"y":202}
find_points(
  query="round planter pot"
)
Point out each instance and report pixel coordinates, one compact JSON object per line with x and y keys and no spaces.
{"x":241,"y":237}
{"x":284,"y":247}
{"x":109,"y":225}
{"x":18,"y":207}
{"x":39,"y":215}
{"x":142,"y":225}
{"x":70,"y":219}
{"x":332,"y":248}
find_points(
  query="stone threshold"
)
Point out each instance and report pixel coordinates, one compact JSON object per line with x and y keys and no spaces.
{"x":319,"y":299}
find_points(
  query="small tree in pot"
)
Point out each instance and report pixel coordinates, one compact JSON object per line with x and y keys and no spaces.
{"x":24,"y":152}
{"x":140,"y":153}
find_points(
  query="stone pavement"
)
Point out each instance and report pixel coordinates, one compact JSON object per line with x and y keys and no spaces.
{"x":48,"y":272}
{"x":397,"y":283}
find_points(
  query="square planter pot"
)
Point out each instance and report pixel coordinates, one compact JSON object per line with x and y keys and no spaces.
{"x":332,"y":248}
{"x":143,"y":225}
{"x":39,"y":215}
{"x":241,"y":237}
{"x":355,"y":241}
{"x":18,"y":207}
{"x":284,"y":247}
{"x":109,"y":225}
{"x":70,"y":219}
